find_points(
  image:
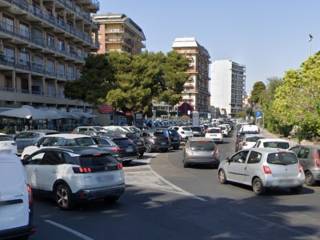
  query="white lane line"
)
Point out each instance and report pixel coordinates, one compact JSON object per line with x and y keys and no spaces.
{"x":67,"y":229}
{"x":176,"y":188}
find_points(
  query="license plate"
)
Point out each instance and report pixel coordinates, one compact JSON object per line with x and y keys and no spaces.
{"x":175,"y":139}
{"x":129,"y":150}
{"x":105,"y":178}
{"x":163,"y":143}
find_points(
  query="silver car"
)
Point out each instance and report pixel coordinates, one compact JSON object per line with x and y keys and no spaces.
{"x":263,"y":168}
{"x":201,"y":151}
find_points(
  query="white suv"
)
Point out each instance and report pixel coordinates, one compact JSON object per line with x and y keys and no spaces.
{"x":75,"y":174}
{"x":15,"y":199}
{"x":184,"y":132}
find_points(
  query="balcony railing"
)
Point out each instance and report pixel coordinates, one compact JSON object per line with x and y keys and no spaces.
{"x":48,"y":17}
{"x":35,"y":67}
{"x":25,"y":35}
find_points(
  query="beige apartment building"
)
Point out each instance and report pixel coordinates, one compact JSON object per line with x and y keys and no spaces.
{"x":43,"y":45}
{"x":117,"y":32}
{"x":196,"y":89}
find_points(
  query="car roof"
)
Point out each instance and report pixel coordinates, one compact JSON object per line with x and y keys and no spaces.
{"x":269,"y":150}
{"x":274,"y":140}
{"x":68,"y":135}
{"x":253,"y":135}
{"x":74,"y":150}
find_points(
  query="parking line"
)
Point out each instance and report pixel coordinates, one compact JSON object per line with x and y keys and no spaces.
{"x":178,"y":189}
{"x":67,"y":229}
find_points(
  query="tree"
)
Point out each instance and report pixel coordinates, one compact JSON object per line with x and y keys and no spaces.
{"x":257,"y":92}
{"x":97,"y":78}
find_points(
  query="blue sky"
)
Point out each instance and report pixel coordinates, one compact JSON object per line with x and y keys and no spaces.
{"x":268,"y":36}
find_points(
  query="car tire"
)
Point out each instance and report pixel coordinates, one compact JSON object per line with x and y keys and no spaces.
{"x":176,"y":147}
{"x":25,"y":156}
{"x":310,"y":181}
{"x":222,"y":177}
{"x":185,"y":164}
{"x":297,"y":190}
{"x":140,"y":155}
{"x":63,"y":197}
{"x":111,"y":199}
{"x":257,"y":186}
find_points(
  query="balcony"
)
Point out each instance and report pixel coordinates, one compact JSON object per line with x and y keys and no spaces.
{"x":51,"y":20}
{"x":26,"y":36}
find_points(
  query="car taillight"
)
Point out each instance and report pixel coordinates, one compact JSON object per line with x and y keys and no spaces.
{"x":29,"y":194}
{"x":115,"y":149}
{"x":82,"y":170}
{"x":267,"y":170}
{"x":119,"y":166}
{"x":300,"y":168}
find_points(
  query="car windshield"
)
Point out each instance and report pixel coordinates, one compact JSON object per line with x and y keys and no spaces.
{"x":202,"y":145}
{"x":282,"y":145}
{"x":5,"y":138}
{"x":186,"y":129}
{"x":253,"y":139}
{"x":214,"y":130}
{"x":196,"y":129}
{"x":282,"y":158}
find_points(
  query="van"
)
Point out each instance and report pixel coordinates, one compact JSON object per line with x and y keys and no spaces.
{"x":15,"y":199}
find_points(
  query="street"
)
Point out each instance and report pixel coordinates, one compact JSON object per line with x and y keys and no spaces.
{"x":165,"y":201}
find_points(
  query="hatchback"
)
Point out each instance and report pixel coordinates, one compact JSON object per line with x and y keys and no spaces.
{"x":201,"y":151}
{"x":215,"y":134}
{"x":262,"y":169}
{"x":273,"y":143}
{"x":15,"y":199}
{"x":75,"y":174}
{"x":309,"y":158}
{"x":156,"y":141}
{"x":175,"y":139}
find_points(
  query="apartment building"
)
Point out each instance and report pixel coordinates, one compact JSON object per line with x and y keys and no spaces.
{"x":43,"y":44}
{"x":196,"y":89}
{"x":117,"y":32}
{"x":228,"y":86}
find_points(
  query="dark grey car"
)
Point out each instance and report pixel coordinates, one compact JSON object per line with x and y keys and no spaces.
{"x":28,"y":138}
{"x":201,"y":151}
{"x":309,"y":158}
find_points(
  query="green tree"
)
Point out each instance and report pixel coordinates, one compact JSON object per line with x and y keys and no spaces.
{"x":257,"y":92}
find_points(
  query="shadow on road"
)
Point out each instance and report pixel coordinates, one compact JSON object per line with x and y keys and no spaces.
{"x":154,"y":215}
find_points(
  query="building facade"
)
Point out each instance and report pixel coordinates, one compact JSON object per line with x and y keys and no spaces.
{"x":119,"y":33}
{"x":43,"y":44}
{"x":228,"y":86}
{"x":196,"y":89}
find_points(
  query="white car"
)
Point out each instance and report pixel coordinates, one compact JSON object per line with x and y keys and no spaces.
{"x":215,"y":133}
{"x":224,"y":129}
{"x":184,"y":132}
{"x":75,"y":175}
{"x":263,"y":168}
{"x":15,"y":198}
{"x":7,"y":143}
{"x":273,"y":143}
{"x":59,"y":140}
{"x":249,"y":141}
{"x":252,"y":129}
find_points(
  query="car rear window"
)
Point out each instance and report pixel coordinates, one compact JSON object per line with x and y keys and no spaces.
{"x":197,"y":129}
{"x":214,"y":130}
{"x":5,"y":138}
{"x":99,"y":160}
{"x":282,"y":158}
{"x":282,"y":145}
{"x":122,"y":141}
{"x":202,"y":145}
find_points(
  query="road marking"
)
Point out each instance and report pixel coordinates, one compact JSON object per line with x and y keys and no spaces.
{"x":175,"y":187}
{"x":67,"y":229}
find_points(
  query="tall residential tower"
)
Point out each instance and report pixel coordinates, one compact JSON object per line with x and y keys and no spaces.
{"x":228,"y":86}
{"x":196,"y":89}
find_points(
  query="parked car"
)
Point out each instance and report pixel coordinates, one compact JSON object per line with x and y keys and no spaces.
{"x":197,"y":131}
{"x":15,"y":200}
{"x":249,"y":141}
{"x":89,"y":130}
{"x":215,"y":134}
{"x":263,"y":168}
{"x":125,"y":148}
{"x":273,"y":143}
{"x":75,"y":174}
{"x":7,"y":143}
{"x":184,"y":132}
{"x":27,"y":138}
{"x":201,"y":151}
{"x":59,"y":140}
{"x":309,"y":158}
{"x":174,"y":139}
{"x":156,"y":141}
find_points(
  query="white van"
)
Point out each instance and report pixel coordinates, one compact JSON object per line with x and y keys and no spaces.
{"x":15,"y":199}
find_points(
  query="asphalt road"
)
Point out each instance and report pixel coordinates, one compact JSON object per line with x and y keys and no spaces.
{"x":165,"y":201}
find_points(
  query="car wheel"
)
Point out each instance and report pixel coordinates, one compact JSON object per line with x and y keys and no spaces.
{"x":140,"y":155}
{"x":309,"y":178}
{"x":63,"y":197}
{"x":222,"y":177}
{"x":297,"y":190}
{"x":176,"y":147}
{"x":111,"y":199}
{"x":25,"y":156}
{"x":257,"y":186}
{"x":148,"y":148}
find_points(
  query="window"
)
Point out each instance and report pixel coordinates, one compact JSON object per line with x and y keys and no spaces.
{"x":254,"y":157}
{"x":52,"y":158}
{"x":24,"y":135}
{"x":295,"y":149}
{"x":24,"y":30}
{"x":282,"y":145}
{"x":240,"y":157}
{"x":207,"y":146}
{"x":9,"y":54}
{"x":8,"y":23}
{"x":82,"y":130}
{"x":50,"y":41}
{"x":282,"y":158}
{"x":304,"y":153}
{"x":24,"y":58}
{"x":36,"y":159}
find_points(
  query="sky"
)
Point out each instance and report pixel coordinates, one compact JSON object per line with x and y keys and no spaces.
{"x":268,"y":36}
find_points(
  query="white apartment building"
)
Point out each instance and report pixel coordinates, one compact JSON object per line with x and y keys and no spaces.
{"x":228,"y":86}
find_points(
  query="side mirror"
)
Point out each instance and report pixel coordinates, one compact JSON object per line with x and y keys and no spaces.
{"x":228,"y":159}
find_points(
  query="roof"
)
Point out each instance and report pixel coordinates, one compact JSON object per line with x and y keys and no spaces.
{"x":77,"y":150}
{"x":189,"y":42}
{"x":268,"y":150}
{"x":68,"y":135}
